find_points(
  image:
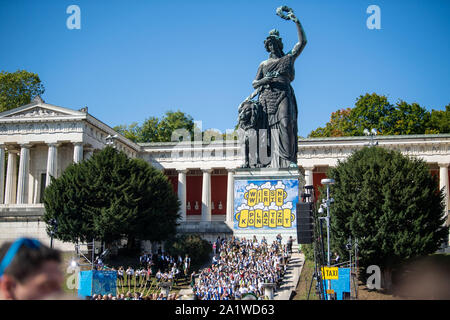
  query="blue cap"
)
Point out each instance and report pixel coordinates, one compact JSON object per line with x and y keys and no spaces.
{"x":12,"y":251}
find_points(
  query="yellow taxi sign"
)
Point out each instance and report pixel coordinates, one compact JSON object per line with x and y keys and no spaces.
{"x":330,"y":291}
{"x":330,"y":273}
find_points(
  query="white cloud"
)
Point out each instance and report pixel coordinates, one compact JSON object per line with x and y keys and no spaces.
{"x":287,"y":205}
{"x":243,"y":207}
{"x":266,"y":185}
{"x":273,"y":206}
{"x":259,"y":206}
{"x":280,"y":185}
{"x":251,"y":186}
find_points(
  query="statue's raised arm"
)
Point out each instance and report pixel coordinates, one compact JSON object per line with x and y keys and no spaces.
{"x":300,"y":45}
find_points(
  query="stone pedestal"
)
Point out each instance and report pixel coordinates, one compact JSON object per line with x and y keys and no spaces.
{"x":265,"y":202}
{"x":269,"y":290}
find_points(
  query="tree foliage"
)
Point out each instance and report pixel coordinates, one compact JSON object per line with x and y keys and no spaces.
{"x":390,"y":203}
{"x":156,"y":130}
{"x":375,"y":111}
{"x":18,"y":88}
{"x":197,"y":248}
{"x":439,"y":121}
{"x":109,"y":197}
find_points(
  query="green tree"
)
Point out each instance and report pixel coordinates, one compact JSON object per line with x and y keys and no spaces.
{"x":408,"y":119}
{"x":371,"y":111}
{"x":149,"y":131}
{"x":132,"y":131}
{"x":198,"y":249}
{"x":155,"y":130}
{"x":18,"y":88}
{"x":339,"y":125}
{"x":110,"y":197}
{"x":173,"y":121}
{"x":391,"y":204}
{"x":439,"y":121}
{"x":375,"y":111}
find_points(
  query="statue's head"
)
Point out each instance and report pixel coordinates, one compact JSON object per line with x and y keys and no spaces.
{"x":273,"y":42}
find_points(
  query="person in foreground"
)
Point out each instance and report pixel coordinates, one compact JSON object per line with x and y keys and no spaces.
{"x":29,"y":270}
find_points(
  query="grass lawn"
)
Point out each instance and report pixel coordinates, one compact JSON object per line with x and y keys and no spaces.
{"x":301,"y":293}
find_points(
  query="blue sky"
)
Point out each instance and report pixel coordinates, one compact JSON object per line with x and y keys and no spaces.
{"x":135,"y":59}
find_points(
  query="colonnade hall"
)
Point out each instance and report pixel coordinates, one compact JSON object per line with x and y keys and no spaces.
{"x":40,"y":140}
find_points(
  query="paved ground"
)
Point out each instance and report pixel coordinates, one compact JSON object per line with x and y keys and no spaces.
{"x":291,"y":277}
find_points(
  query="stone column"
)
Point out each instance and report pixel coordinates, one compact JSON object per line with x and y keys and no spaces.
{"x":206,"y":195}
{"x":11,"y":178}
{"x":230,"y":197}
{"x":309,"y":176}
{"x":89,"y":153}
{"x":77,"y":152}
{"x":182,"y":193}
{"x":51,"y":162}
{"x":2,"y":173}
{"x":443,"y":183}
{"x":24,"y":172}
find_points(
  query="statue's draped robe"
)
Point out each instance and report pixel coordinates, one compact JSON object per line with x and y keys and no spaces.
{"x":278,"y":101}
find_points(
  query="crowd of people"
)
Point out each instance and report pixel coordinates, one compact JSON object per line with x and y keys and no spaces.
{"x":162,"y":266}
{"x":241,"y":267}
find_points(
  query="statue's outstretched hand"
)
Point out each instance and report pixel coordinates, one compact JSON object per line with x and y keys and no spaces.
{"x":292,"y":17}
{"x":289,"y":13}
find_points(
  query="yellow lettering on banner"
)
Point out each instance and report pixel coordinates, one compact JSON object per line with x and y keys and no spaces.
{"x":279,"y":218}
{"x":251,"y":218}
{"x":265,"y":218}
{"x":287,"y":218}
{"x":259,"y":196}
{"x":272,"y":218}
{"x":243,"y":218}
{"x":258,"y":218}
{"x":273,"y":195}
{"x":281,"y":195}
{"x":266,"y":196}
{"x":252,"y":197}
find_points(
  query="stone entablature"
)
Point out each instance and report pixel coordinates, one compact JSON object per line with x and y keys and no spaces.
{"x":185,"y":155}
{"x":327,"y":151}
{"x":39,"y":122}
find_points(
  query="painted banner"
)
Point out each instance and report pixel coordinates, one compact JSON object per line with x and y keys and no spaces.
{"x":265,"y":204}
{"x":97,"y":282}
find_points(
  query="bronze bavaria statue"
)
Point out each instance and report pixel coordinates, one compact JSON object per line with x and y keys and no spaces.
{"x":275,"y":110}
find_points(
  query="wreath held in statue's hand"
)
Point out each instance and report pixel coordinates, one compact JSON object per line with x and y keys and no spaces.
{"x":290,"y":13}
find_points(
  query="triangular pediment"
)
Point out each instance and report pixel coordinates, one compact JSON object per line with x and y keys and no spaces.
{"x":38,"y":109}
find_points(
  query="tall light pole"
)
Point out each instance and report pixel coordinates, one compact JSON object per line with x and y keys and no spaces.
{"x":54,"y":226}
{"x":329,"y":201}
